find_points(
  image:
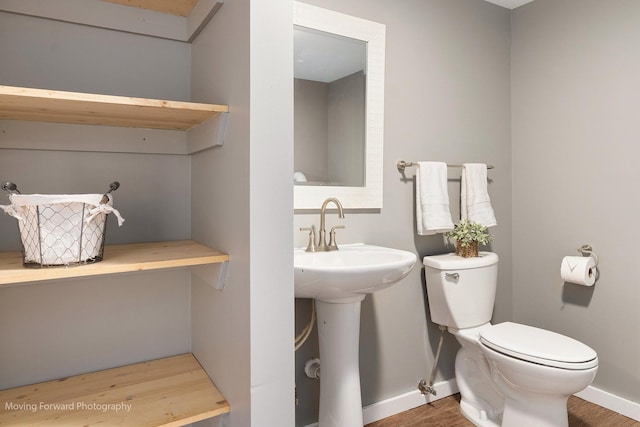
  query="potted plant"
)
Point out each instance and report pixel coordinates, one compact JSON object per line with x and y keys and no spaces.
{"x":467,"y":235}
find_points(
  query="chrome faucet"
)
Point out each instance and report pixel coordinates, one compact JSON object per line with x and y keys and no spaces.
{"x":322,"y":233}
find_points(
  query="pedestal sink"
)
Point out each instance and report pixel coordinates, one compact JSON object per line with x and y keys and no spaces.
{"x":339,"y":281}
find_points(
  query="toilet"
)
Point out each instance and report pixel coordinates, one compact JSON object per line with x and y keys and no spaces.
{"x":508,"y":374}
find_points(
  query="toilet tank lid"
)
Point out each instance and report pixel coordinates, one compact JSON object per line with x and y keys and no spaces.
{"x":454,"y":262}
{"x":538,"y":345}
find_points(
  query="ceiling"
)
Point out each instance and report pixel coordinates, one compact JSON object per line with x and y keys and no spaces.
{"x":509,"y":4}
{"x":324,"y":57}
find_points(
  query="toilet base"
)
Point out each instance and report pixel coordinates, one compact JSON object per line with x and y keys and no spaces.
{"x":479,"y":418}
{"x":537,"y":411}
{"x":480,"y":402}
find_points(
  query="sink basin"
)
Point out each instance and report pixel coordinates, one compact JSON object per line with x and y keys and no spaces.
{"x":350,"y":273}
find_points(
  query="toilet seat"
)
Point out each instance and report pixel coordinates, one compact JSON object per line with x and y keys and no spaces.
{"x":538,"y":346}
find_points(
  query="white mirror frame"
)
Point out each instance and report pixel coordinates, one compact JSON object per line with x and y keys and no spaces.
{"x":370,"y":195}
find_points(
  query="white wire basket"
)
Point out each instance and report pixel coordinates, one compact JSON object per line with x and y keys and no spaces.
{"x":61,"y":229}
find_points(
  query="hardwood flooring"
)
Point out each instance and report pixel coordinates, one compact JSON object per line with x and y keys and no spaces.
{"x":446,"y":413}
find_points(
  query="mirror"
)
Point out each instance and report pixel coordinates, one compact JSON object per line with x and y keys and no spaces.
{"x":338,"y":108}
{"x":329,"y":100}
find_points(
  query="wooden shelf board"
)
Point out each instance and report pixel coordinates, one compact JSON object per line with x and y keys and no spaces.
{"x":17,"y":103}
{"x":172,"y":391}
{"x":117,"y":259}
{"x":173,"y":7}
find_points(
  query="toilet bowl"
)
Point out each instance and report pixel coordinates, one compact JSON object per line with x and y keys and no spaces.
{"x":508,"y":374}
{"x":538,"y":370}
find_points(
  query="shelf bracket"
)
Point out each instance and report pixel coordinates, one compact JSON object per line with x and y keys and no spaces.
{"x":208,"y":134}
{"x":215,"y":275}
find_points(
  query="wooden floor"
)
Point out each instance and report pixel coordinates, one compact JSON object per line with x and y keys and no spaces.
{"x":446,"y":413}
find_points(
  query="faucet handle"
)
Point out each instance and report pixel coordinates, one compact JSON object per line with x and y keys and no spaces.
{"x":332,"y":237}
{"x":311,"y":245}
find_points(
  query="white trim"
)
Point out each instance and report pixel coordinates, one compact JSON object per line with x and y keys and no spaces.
{"x":395,"y":405}
{"x":612,"y":402}
{"x":404,"y":402}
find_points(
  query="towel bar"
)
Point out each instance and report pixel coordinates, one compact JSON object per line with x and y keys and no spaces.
{"x":402,"y":164}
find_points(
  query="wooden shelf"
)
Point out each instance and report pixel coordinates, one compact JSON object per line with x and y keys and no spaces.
{"x":173,"y":391}
{"x":117,"y":259}
{"x":17,"y":103}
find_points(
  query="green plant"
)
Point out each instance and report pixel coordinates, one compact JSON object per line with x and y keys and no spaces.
{"x":466,"y":232}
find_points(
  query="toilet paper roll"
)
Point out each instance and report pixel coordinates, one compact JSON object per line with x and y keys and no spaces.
{"x":579,"y":270}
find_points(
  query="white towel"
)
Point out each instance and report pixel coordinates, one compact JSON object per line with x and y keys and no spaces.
{"x":475,"y":204}
{"x":432,"y":199}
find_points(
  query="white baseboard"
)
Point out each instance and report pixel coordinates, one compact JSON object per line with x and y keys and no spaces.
{"x":404,"y":402}
{"x":612,"y":402}
{"x":413,"y":399}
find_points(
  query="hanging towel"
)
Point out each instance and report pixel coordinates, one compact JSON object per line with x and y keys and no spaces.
{"x":432,"y":199}
{"x":475,"y":204}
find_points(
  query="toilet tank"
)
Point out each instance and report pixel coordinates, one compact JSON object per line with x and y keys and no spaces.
{"x":461,"y":291}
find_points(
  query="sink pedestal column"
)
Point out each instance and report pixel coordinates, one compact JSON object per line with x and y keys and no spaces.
{"x":339,"y":339}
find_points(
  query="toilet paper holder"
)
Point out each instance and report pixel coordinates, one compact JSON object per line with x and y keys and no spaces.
{"x":588,"y":250}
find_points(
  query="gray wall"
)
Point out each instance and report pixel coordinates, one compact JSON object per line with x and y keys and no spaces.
{"x":65,"y":327}
{"x":347,"y":130}
{"x":329,"y":130}
{"x":447,"y":97}
{"x":221,"y":320}
{"x":575,"y":148}
{"x":242,"y":200}
{"x":51,"y":55}
{"x":47,"y":54}
{"x":311,"y":129}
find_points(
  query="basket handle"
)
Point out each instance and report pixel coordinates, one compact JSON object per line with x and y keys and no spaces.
{"x":112,"y":187}
{"x":10,"y":210}
{"x":11,"y":188}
